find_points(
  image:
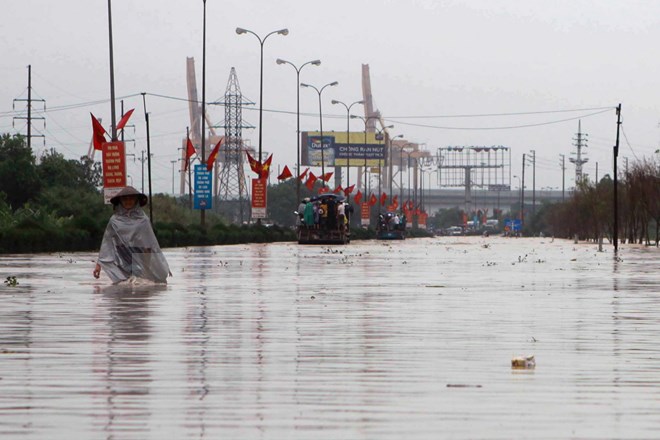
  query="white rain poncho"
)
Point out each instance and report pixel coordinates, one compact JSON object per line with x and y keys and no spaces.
{"x":130,"y":248}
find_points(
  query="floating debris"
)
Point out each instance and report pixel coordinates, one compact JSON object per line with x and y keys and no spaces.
{"x":462,"y":385}
{"x":11,"y":282}
{"x":523,"y":363}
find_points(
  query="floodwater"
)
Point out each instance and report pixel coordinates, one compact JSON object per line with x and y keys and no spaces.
{"x":374,"y":340}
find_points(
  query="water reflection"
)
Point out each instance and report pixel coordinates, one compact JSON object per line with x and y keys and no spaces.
{"x":362,"y":341}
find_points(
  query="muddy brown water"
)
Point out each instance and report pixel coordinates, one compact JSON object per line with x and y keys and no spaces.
{"x":374,"y":340}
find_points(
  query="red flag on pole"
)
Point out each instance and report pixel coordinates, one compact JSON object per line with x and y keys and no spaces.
{"x":383,"y":199}
{"x":265,"y":167}
{"x":323,"y":190}
{"x":303,"y":174}
{"x":373,"y":199}
{"x":124,"y":119}
{"x":214,"y":155}
{"x":255,"y":166}
{"x":338,"y":190}
{"x":98,"y":136}
{"x":311,"y":180}
{"x":349,"y":190}
{"x":286,"y":173}
{"x":358,"y":197}
{"x":190,"y":152}
{"x":326,"y":176}
{"x":395,"y":202}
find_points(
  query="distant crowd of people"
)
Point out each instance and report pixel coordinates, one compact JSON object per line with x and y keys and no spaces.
{"x":324,"y":213}
{"x":391,"y":222}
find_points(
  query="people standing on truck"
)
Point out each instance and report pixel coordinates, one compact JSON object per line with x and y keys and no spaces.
{"x":323,"y":213}
{"x":341,"y":215}
{"x":301,"y":212}
{"x":308,"y":216}
{"x":317,"y":214}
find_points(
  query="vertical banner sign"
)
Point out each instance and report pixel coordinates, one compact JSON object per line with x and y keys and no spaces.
{"x":365,"y":213}
{"x":114,"y":169}
{"x":421,"y":220}
{"x":203,"y":188}
{"x":259,"y":191}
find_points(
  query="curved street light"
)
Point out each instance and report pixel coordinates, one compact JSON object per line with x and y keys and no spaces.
{"x":298,"y":69}
{"x":366,"y":121}
{"x":379,"y":137}
{"x":241,"y":31}
{"x":319,"y":92}
{"x":348,"y":135}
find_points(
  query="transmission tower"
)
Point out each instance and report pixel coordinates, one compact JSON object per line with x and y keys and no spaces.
{"x":579,"y":159}
{"x":231,"y":183}
{"x":29,"y":116}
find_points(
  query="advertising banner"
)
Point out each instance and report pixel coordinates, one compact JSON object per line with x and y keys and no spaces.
{"x":259,"y":197}
{"x":114,"y":169}
{"x":365,"y":213}
{"x":203,"y":188}
{"x":340,"y":150}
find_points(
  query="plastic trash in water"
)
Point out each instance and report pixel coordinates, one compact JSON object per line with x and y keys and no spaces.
{"x":524,"y":362}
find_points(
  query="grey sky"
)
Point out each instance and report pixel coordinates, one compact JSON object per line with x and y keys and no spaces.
{"x":427,"y":58}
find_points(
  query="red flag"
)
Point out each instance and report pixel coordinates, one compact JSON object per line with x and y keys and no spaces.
{"x":326,"y":176}
{"x":190,"y":151}
{"x":214,"y":154}
{"x":303,"y":174}
{"x":358,"y":197}
{"x":124,"y":119}
{"x":383,"y":199}
{"x":323,"y":190}
{"x":286,"y":173}
{"x":338,"y":189}
{"x":98,"y":136}
{"x":349,"y":190}
{"x":265,"y":168}
{"x":373,"y":200}
{"x":255,"y":166}
{"x":311,"y":180}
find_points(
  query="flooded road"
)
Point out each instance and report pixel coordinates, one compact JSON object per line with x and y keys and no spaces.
{"x":374,"y":340}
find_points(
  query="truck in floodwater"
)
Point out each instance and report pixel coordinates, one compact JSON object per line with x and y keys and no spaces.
{"x":391,"y":227}
{"x":324,"y":220}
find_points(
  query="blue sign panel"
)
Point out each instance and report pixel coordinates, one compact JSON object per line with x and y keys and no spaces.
{"x":203,"y":188}
{"x":513,"y":225}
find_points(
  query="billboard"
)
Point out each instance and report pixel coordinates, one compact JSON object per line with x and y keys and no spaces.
{"x":114,"y":169}
{"x":338,"y":150}
{"x":203,"y":186}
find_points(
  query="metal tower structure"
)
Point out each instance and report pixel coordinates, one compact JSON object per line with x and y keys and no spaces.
{"x":579,"y":159}
{"x":231,"y":183}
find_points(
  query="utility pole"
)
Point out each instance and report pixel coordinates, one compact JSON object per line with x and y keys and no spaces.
{"x":563,"y":176}
{"x":522,"y":195}
{"x":616,"y":182}
{"x":596,"y":174}
{"x":29,"y":117}
{"x":533,"y":183}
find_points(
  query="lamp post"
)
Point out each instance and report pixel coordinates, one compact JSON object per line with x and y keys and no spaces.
{"x":407,"y":149}
{"x":366,"y":121}
{"x":298,"y":69}
{"x":240,"y":31}
{"x":519,"y":194}
{"x":391,"y":165}
{"x":348,"y":144}
{"x":379,"y":137}
{"x":319,"y":92}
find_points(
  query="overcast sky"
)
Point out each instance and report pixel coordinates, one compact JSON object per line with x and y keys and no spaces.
{"x":431,"y":59}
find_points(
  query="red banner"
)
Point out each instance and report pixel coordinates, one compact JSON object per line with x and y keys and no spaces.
{"x":365,"y":213}
{"x":259,"y":192}
{"x":114,"y":165}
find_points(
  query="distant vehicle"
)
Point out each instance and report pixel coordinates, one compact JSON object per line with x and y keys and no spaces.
{"x":455,"y":230}
{"x":328,"y":227}
{"x":390,"y":227}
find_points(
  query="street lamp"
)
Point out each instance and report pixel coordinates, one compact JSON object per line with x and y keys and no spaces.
{"x":520,"y":195}
{"x":391,"y":165}
{"x":366,"y":121}
{"x":348,"y":144}
{"x":319,"y":92}
{"x":407,"y":149}
{"x":240,"y":31}
{"x":298,"y":69}
{"x":379,"y":137}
